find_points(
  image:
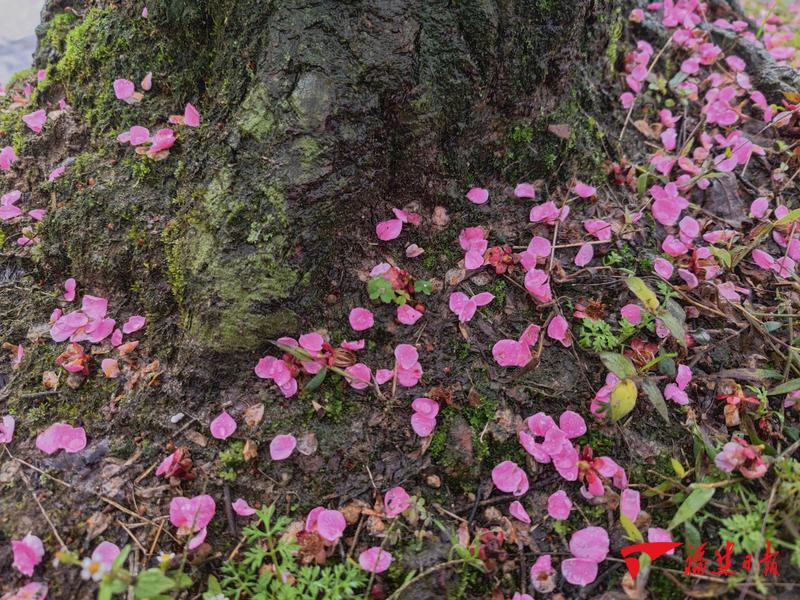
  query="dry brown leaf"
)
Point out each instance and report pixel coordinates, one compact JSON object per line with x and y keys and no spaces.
{"x":250,"y":450}
{"x":253,"y":415}
{"x":560,"y":130}
{"x":49,"y":380}
{"x":196,"y":438}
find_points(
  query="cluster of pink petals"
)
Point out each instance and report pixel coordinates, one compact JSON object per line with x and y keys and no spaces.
{"x":783,"y":266}
{"x":190,"y":118}
{"x":676,"y":391}
{"x":537,"y":282}
{"x":516,"y":353}
{"x":8,"y":208}
{"x":328,"y":524}
{"x":35,"y":120}
{"x":191,"y":516}
{"x":538,"y":248}
{"x":407,"y":369}
{"x":60,"y":436}
{"x":589,"y":547}
{"x":6,"y":429}
{"x":555,"y":445}
{"x":375,"y":560}
{"x":548,"y":213}
{"x":223,"y":426}
{"x":28,"y":553}
{"x":510,"y":478}
{"x":282,"y":446}
{"x":135,"y":136}
{"x":423,"y":421}
{"x":396,"y":501}
{"x":89,"y":323}
{"x":667,"y":203}
{"x":465,"y":307}
{"x":473,"y":242}
{"x":391,"y":229}
{"x":738,"y":454}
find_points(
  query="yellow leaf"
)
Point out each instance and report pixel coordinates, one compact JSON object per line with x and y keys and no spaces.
{"x":643,"y":293}
{"x":623,"y":399}
{"x":678,"y":468}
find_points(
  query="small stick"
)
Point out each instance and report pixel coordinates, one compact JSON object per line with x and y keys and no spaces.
{"x":226,"y":491}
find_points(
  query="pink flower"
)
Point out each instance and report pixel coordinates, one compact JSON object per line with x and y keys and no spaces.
{"x":105,"y":554}
{"x":28,"y":553}
{"x":223,"y":426}
{"x":375,"y":560}
{"x":543,"y":575}
{"x":518,"y":512}
{"x":423,"y":421}
{"x":35,"y":120}
{"x":537,"y":282}
{"x":191,"y":516}
{"x":630,"y":504}
{"x":465,"y":307}
{"x":282,"y":446}
{"x":191,"y":118}
{"x":589,"y":547}
{"x":242,"y":508}
{"x":584,"y":190}
{"x":124,"y":89}
{"x":133,"y":324}
{"x":329,"y":524}
{"x":69,"y":289}
{"x":558,"y":330}
{"x":396,"y":501}
{"x":632,"y":313}
{"x":7,"y":158}
{"x":478,"y":195}
{"x":508,"y":477}
{"x":584,"y":255}
{"x":361,"y":319}
{"x":7,"y":429}
{"x":60,"y":436}
{"x":738,"y":454}
{"x":559,"y":505}
{"x":408,"y":315}
{"x":525,"y":190}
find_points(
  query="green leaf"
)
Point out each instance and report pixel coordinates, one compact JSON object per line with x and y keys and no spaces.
{"x":790,"y":386}
{"x":630,"y":529}
{"x":691,"y":535}
{"x":317,"y":380}
{"x":789,"y":217}
{"x":656,"y":398}
{"x":675,"y":327}
{"x":643,"y":293}
{"x":623,"y":399}
{"x":619,"y":365}
{"x":424,"y":286}
{"x":641,"y":183}
{"x":121,"y":557}
{"x":693,"y":503}
{"x":677,"y":467}
{"x":152,"y":582}
{"x":722,"y":256}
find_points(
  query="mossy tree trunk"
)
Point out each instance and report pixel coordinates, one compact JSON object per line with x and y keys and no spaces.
{"x":318,"y":117}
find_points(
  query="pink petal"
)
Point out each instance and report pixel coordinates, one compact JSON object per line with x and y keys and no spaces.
{"x":630,"y":504}
{"x":389,"y":230}
{"x":413,"y":251}
{"x":242,"y":508}
{"x":69,"y":289}
{"x":537,"y":282}
{"x":524,"y":190}
{"x":759,"y":208}
{"x":223,"y":426}
{"x":656,"y":534}
{"x":396,"y":501}
{"x":584,"y":255}
{"x":139,"y":135}
{"x":632,"y":313}
{"x":590,"y":543}
{"x":28,"y":553}
{"x":330,"y":525}
{"x":559,"y":506}
{"x":478,"y":195}
{"x":191,"y":118}
{"x":558,"y":329}
{"x":663,"y":268}
{"x":282,"y":446}
{"x":572,"y":424}
{"x":7,"y":429}
{"x":508,"y":477}
{"x":539,"y":246}
{"x":579,"y":571}
{"x":355,"y":345}
{"x":134,"y":323}
{"x":312,"y":342}
{"x":383,"y":375}
{"x":584,"y":190}
{"x":683,"y":377}
{"x":94,"y":307}
{"x":361,"y":319}
{"x":422,"y":425}
{"x":110,"y":367}
{"x":60,"y":436}
{"x":511,"y":353}
{"x":123,"y":89}
{"x":375,"y":560}
{"x":116,"y":338}
{"x":530,"y":336}
{"x":105,"y":554}
{"x":406,"y":355}
{"x":147,"y":82}
{"x":35,"y":120}
{"x":360,"y":376}
{"x":518,"y":511}
{"x":408,"y":315}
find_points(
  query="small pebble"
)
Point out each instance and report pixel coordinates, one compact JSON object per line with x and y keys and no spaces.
{"x":176,"y":418}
